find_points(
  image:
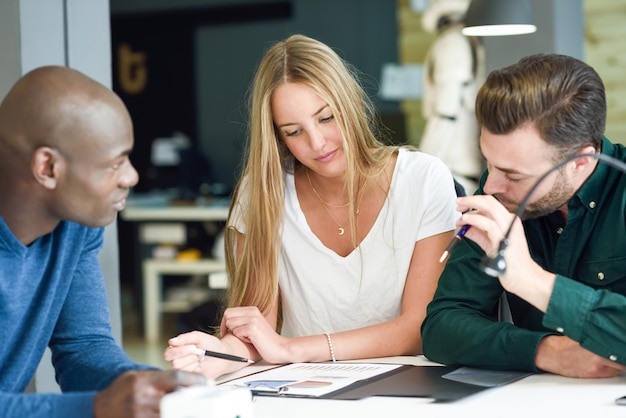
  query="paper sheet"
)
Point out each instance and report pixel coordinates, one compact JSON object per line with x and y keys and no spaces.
{"x":310,"y":379}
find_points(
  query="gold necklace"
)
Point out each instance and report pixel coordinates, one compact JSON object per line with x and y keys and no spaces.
{"x":326,"y":205}
{"x":340,"y":228}
{"x":320,"y":197}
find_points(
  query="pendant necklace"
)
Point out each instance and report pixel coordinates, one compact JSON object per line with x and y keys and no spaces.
{"x":340,"y":229}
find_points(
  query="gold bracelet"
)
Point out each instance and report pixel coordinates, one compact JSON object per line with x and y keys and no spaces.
{"x":330,"y":347}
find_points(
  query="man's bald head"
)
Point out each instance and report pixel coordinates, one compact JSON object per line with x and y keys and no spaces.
{"x":45,"y":105}
{"x":65,"y":142}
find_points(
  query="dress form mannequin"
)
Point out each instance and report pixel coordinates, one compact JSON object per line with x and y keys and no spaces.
{"x":453,"y":72}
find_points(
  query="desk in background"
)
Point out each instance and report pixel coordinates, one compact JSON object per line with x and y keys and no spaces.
{"x":161,"y":211}
{"x":539,"y":395}
{"x":143,"y":212}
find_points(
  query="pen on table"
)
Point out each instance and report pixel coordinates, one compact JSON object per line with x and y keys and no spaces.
{"x":223,"y":356}
{"x":454,"y":242}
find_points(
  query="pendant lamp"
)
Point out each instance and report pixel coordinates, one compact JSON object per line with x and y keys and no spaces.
{"x":499,"y":18}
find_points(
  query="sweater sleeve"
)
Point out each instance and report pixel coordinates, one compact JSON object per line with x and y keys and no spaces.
{"x":71,"y":405}
{"x":65,"y":308}
{"x":84,"y":353}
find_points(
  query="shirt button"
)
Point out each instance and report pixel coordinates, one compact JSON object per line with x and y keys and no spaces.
{"x":613,"y":357}
{"x":559,"y":230}
{"x":592,"y":204}
{"x":600,"y":276}
{"x":560,"y":329}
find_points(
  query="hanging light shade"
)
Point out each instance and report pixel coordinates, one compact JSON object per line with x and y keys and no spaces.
{"x":499,"y":18}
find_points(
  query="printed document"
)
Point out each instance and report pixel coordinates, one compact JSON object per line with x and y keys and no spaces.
{"x":310,"y":379}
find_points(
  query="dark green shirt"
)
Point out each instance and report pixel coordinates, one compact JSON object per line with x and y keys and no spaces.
{"x":588,"y":303}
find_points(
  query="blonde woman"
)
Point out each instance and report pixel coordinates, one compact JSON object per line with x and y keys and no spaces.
{"x":333,"y":239}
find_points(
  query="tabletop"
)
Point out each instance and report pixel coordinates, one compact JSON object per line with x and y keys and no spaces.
{"x":537,"y":395}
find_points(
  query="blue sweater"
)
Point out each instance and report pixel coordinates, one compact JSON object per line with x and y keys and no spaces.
{"x":52,"y":294}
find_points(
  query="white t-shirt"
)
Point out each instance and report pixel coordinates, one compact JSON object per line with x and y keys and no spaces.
{"x":324,"y":292}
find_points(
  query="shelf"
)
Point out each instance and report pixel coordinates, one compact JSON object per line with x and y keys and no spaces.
{"x":154,"y":305}
{"x":202,"y":266}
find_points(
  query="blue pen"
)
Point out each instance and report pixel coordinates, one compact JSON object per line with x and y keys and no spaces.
{"x":454,"y":242}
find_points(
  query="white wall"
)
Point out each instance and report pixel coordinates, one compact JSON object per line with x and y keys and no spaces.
{"x":74,"y":33}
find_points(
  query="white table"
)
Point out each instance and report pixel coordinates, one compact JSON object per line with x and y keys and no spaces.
{"x":175,"y":213}
{"x":156,"y":208}
{"x":540,"y":395}
{"x":154,"y":306}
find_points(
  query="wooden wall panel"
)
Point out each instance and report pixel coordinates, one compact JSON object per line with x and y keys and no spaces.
{"x":414,"y":43}
{"x":605,"y":50}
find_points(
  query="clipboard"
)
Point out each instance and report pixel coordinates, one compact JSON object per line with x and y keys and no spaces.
{"x":441,"y":383}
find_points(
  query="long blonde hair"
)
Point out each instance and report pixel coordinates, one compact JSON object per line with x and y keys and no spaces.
{"x":297,"y":59}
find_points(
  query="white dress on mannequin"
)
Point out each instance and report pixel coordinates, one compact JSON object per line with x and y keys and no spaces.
{"x":453,"y":72}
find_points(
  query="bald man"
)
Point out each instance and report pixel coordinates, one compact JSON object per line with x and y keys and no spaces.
{"x":65,"y":173}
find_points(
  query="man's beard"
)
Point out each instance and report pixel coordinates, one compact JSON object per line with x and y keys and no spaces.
{"x":558,"y":196}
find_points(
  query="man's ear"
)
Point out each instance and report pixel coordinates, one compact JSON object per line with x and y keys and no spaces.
{"x":583,"y":164}
{"x":46,"y":166}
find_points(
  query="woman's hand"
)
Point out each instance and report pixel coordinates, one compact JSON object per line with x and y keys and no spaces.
{"x":183,"y":354}
{"x":250,"y":326}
